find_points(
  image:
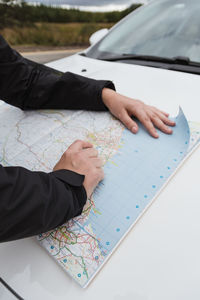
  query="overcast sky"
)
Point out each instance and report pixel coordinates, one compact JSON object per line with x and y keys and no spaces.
{"x":92,"y":5}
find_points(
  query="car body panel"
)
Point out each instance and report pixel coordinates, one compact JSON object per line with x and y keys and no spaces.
{"x":163,"y":88}
{"x":159,"y":259}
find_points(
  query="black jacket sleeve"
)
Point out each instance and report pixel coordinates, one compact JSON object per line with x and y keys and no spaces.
{"x":35,"y":202}
{"x":32,"y":86}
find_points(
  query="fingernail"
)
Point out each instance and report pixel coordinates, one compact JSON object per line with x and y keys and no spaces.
{"x":156,"y":134}
{"x":170,"y":130}
{"x":134,"y":129}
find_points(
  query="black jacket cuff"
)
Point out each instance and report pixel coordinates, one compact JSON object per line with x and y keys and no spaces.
{"x":75,"y":181}
{"x":69,"y":177}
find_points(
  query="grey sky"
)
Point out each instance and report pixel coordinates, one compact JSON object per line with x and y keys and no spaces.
{"x":90,"y":4}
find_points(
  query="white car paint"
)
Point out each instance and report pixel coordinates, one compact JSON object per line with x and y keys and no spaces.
{"x":163,"y":88}
{"x":98,"y":35}
{"x":159,"y":259}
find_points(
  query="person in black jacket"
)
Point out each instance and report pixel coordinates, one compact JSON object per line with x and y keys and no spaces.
{"x":35,"y":202}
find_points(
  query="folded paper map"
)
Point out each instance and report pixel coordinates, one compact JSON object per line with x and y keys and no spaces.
{"x":136,"y":168}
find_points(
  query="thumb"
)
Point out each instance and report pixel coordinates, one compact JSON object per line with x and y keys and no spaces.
{"x":128,"y":122}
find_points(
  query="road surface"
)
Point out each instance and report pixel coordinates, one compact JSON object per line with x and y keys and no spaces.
{"x":47,"y":56}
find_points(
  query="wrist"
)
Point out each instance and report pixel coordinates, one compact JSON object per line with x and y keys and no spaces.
{"x":107,"y":96}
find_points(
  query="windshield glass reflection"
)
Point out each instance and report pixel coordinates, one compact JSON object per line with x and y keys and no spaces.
{"x":165,"y":28}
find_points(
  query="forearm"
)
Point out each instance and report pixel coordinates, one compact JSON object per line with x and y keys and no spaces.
{"x":30,"y":86}
{"x":35,"y":202}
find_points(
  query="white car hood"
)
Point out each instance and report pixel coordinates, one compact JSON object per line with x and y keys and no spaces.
{"x":159,"y":87}
{"x":160,"y":257}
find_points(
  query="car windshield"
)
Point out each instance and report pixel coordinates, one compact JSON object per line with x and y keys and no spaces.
{"x":164,"y":28}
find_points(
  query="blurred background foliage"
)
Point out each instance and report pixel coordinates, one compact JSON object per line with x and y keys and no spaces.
{"x":23,"y":24}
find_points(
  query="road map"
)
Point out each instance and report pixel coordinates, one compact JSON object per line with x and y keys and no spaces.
{"x":136,"y":168}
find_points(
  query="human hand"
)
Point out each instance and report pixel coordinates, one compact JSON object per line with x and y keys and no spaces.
{"x":82,"y":158}
{"x":123,"y":108}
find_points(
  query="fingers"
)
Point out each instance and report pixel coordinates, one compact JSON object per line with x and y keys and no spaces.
{"x":86,"y":144}
{"x":79,"y":144}
{"x":163,"y":116}
{"x":128,"y":122}
{"x":152,"y":117}
{"x":146,"y":121}
{"x":160,"y":125}
{"x":165,"y":120}
{"x":91,"y":152}
{"x":98,"y":163}
{"x":123,"y":107}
